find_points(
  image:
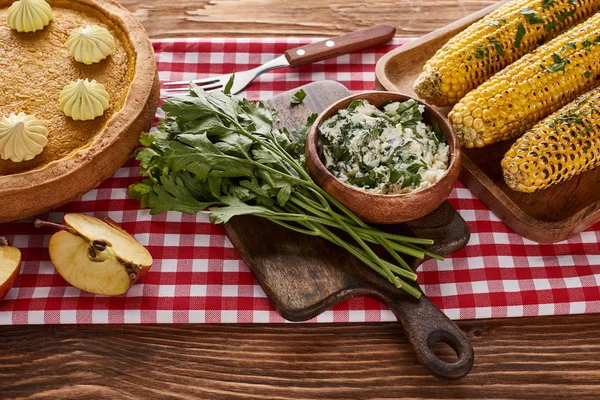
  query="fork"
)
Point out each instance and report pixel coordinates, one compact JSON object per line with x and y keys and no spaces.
{"x":310,"y":53}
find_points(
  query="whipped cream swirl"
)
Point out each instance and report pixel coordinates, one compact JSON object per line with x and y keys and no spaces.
{"x":84,"y":100}
{"x":22,"y":137}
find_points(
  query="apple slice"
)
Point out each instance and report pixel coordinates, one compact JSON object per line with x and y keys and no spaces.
{"x":10,"y":265}
{"x":96,"y":257}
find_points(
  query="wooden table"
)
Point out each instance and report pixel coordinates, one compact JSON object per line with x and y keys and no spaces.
{"x":545,"y":357}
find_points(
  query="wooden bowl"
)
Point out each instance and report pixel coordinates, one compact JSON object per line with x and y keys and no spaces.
{"x":384,"y":208}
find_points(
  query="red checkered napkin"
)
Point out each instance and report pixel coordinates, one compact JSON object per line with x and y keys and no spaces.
{"x":198,"y":276}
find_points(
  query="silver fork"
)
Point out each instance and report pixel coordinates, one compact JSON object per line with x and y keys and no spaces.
{"x":310,"y":53}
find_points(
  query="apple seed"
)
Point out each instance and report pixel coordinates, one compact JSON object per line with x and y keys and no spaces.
{"x":99,"y":245}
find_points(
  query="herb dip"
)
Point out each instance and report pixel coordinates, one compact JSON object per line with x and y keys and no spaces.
{"x":387,"y":151}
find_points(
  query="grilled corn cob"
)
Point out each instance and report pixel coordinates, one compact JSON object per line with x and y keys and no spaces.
{"x":531,"y":88}
{"x":561,"y":146}
{"x":494,"y":42}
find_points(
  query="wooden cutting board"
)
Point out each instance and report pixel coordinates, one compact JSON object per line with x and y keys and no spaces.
{"x":547,"y":216}
{"x":304,"y":276}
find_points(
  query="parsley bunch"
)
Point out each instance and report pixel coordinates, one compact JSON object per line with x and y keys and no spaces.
{"x":223,"y":156}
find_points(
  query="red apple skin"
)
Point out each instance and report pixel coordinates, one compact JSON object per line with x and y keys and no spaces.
{"x":7,"y":285}
{"x":140,"y":274}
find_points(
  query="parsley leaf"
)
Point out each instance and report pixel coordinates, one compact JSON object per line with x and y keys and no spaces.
{"x":298,"y":97}
{"x":587,"y":74}
{"x":496,"y":22}
{"x":229,"y":84}
{"x":550,"y":25}
{"x":559,"y":64}
{"x":520,"y":33}
{"x":547,"y":3}
{"x":480,"y":52}
{"x":497,"y":46}
{"x":586,"y":44}
{"x":587,"y":147}
{"x":439,"y":135}
{"x":532,"y":16}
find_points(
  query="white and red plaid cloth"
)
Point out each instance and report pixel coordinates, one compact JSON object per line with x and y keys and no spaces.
{"x":198,"y":277}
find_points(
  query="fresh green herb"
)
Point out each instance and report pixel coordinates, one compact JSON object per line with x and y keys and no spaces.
{"x":223,"y":156}
{"x":587,"y":147}
{"x":562,"y":17}
{"x":532,"y":16}
{"x":574,"y":2}
{"x":229,"y":84}
{"x":439,"y":135}
{"x":547,"y":3}
{"x":567,"y":118}
{"x":570,"y":45}
{"x":496,"y":22}
{"x":586,"y":44}
{"x":597,"y":40}
{"x":559,"y":64}
{"x":299,"y":136}
{"x":298,"y":97}
{"x":550,"y":25}
{"x":520,"y":34}
{"x":481,"y":52}
{"x":497,"y":46}
{"x":589,"y":112}
{"x":587,"y":74}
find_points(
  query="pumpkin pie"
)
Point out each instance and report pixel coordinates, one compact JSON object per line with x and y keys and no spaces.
{"x":34,"y":69}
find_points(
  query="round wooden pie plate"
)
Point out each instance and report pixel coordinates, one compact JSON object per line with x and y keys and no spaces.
{"x":35,"y":191}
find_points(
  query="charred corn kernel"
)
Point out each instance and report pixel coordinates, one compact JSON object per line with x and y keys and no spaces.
{"x":494,"y":42}
{"x":522,"y":98}
{"x":559,"y":147}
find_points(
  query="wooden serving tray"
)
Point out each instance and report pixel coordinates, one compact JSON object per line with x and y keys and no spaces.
{"x":547,"y":216}
{"x":304,"y":275}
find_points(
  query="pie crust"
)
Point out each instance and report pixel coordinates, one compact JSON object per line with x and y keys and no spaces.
{"x":80,"y":154}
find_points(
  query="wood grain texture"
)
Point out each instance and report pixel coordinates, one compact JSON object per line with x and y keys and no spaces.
{"x":546,"y":216}
{"x":222,"y":18}
{"x":529,"y":358}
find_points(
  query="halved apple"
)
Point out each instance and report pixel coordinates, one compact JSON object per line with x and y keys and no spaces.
{"x":10,"y":265}
{"x":96,"y":256}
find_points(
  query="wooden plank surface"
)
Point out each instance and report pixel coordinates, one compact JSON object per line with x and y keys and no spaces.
{"x":545,"y":358}
{"x":221,"y":18}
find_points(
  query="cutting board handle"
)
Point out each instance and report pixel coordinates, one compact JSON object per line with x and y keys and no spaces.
{"x":425,"y":325}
